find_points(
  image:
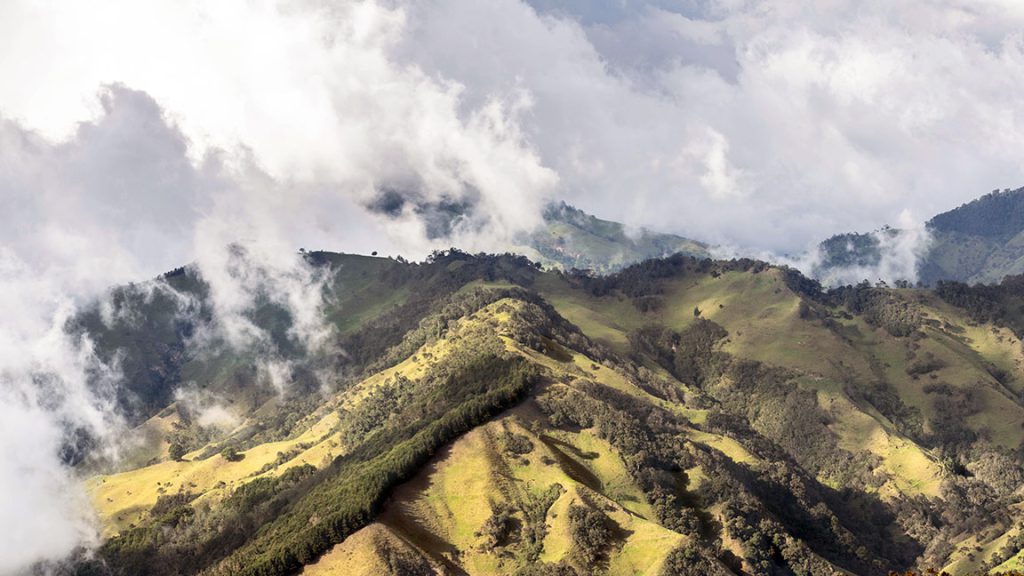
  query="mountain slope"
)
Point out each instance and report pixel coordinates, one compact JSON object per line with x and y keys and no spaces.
{"x":680,"y":417}
{"x":979,"y":242}
{"x":570,"y":238}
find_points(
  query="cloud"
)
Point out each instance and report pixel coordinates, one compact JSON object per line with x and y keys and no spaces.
{"x":205,"y":409}
{"x":896,"y":255}
{"x":117,"y":200}
{"x":832,"y":117}
{"x":768,"y":126}
{"x":74,"y":225}
{"x":312,"y":92}
{"x":54,"y":395}
{"x":888,"y":254}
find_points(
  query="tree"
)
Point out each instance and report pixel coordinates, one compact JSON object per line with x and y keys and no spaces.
{"x":590,"y":533}
{"x":690,"y":558}
{"x":176,"y":451}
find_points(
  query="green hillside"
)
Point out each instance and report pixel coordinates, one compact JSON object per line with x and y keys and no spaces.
{"x":979,"y":242}
{"x":477,"y":415}
{"x":571,"y":238}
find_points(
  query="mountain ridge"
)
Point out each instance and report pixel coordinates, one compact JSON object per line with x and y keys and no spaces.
{"x":981,"y":241}
{"x":735,"y":412}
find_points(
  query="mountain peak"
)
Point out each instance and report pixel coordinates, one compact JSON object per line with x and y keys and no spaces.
{"x":571,"y":238}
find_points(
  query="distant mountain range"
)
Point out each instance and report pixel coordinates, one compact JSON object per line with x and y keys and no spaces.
{"x":571,"y":238}
{"x":979,"y":242}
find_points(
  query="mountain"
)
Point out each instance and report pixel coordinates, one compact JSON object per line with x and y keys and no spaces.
{"x":979,"y":242}
{"x":571,"y":238}
{"x":477,"y":415}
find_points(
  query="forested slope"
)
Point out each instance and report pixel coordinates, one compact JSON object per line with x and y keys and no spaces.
{"x":479,"y":415}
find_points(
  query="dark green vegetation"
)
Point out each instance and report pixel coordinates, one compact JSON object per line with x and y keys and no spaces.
{"x":861,"y":250}
{"x":999,"y":304}
{"x":981,"y":241}
{"x":474,"y":414}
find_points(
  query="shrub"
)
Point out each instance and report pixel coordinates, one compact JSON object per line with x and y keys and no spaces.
{"x":231,"y":454}
{"x":590,"y":533}
{"x":517,"y":444}
{"x":176,"y":451}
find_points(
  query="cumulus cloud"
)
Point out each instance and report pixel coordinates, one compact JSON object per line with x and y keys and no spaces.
{"x":312,"y":91}
{"x":763,"y":125}
{"x":829,"y":117}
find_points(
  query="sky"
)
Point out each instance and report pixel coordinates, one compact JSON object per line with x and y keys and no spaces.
{"x":760,"y":125}
{"x":140,"y":135}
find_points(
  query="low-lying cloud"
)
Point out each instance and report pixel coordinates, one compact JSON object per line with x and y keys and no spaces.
{"x":54,"y":393}
{"x":895,"y":256}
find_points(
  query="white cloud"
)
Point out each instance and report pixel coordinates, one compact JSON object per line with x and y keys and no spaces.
{"x":51,"y":385}
{"x":205,"y":409}
{"x":718,"y":176}
{"x":838,"y":115}
{"x":834,"y":116}
{"x":311,"y":91}
{"x":48,"y":510}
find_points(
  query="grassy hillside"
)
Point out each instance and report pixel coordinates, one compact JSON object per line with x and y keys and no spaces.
{"x":571,"y":238}
{"x":682,"y":416}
